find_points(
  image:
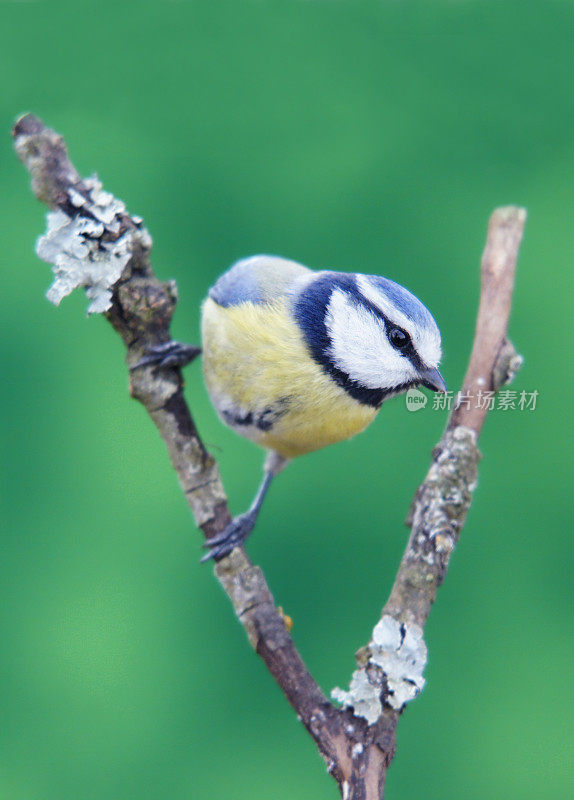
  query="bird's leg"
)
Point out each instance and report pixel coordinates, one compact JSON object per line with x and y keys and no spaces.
{"x":241,"y":526}
{"x":168,"y":354}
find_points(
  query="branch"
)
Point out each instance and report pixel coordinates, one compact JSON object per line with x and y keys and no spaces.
{"x":493,"y":361}
{"x":88,"y":229}
{"x":391,"y":665}
{"x":439,"y":509}
{"x":93,"y":242}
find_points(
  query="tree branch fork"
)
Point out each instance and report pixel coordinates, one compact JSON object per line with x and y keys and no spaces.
{"x":94,"y":243}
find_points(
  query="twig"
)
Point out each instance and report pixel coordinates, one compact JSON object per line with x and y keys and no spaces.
{"x":93,"y":242}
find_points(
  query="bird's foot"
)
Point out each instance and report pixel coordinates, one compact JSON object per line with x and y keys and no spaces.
{"x":168,"y":354}
{"x":234,"y":534}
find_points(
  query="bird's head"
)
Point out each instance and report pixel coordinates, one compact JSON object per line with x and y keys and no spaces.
{"x":372,"y":336}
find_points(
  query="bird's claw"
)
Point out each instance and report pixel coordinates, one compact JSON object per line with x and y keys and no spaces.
{"x":168,"y":354}
{"x":234,"y":534}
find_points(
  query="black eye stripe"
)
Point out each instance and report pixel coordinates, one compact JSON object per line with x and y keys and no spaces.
{"x":408,"y":350}
{"x":408,"y":347}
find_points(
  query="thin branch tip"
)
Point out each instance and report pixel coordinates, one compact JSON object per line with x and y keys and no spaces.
{"x":509,"y":215}
{"x":27,"y":124}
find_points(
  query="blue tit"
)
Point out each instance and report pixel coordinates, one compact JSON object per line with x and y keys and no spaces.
{"x":295,"y":360}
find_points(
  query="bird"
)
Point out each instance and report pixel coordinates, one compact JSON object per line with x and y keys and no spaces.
{"x":296,"y":359}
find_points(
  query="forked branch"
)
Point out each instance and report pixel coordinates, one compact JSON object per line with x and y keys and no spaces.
{"x":93,"y":242}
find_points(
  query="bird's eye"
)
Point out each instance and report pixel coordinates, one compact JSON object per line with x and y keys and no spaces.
{"x":398,"y":338}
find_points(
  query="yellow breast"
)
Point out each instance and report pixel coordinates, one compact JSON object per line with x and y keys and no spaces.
{"x":265,"y":385}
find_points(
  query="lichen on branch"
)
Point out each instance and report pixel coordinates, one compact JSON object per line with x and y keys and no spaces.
{"x":392,"y":671}
{"x":88,"y":248}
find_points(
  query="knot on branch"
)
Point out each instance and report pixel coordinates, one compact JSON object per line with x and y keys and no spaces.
{"x":507,"y":364}
{"x":144,"y":309}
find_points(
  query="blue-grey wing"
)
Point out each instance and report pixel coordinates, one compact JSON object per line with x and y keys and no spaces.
{"x":258,"y":279}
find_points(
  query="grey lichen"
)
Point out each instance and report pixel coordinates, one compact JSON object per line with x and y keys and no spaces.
{"x":401,"y":652}
{"x":88,"y":249}
{"x":393,"y":673}
{"x":363,"y":697}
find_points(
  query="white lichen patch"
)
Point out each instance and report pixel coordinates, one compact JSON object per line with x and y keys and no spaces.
{"x":79,"y":254}
{"x":400,"y":652}
{"x":363,"y":697}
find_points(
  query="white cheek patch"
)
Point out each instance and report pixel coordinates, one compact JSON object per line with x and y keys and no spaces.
{"x":428,"y":348}
{"x":426,"y":338}
{"x":360,"y":348}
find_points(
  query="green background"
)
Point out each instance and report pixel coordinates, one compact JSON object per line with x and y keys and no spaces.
{"x":363,"y":136}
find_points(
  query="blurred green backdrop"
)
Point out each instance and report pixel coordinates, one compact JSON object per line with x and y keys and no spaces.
{"x":368,"y":136}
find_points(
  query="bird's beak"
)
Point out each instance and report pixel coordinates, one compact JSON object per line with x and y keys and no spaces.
{"x":432,"y":379}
